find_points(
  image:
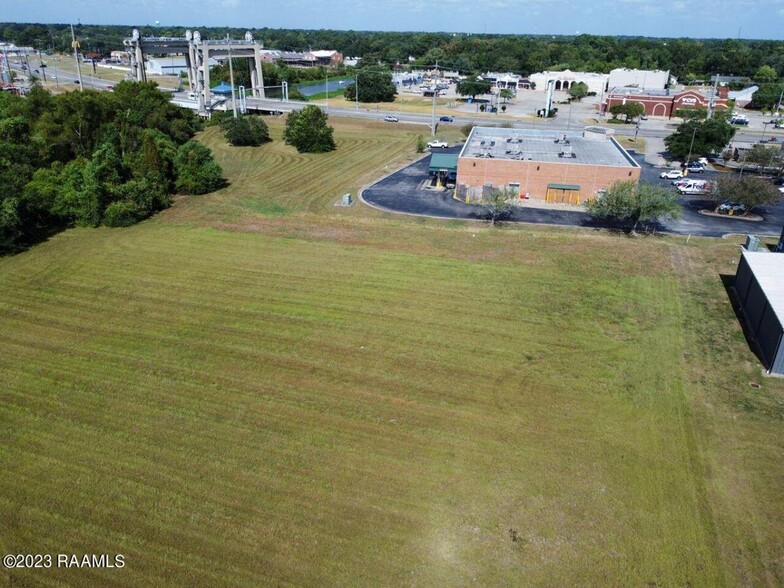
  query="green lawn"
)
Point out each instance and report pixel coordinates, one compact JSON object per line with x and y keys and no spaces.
{"x":257,"y":388}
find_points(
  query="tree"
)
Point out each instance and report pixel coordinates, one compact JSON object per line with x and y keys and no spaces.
{"x":633,"y":110}
{"x":375,"y":85}
{"x":505,"y":94}
{"x":421,"y":144}
{"x":699,"y":138}
{"x":764,"y":156}
{"x":497,"y":206}
{"x":245,"y":131}
{"x":196,"y":169}
{"x":473,"y":87}
{"x":750,"y":190}
{"x":765,"y":75}
{"x":630,"y":110}
{"x":578,"y":91}
{"x":616,"y":110}
{"x":766,"y":97}
{"x":630,"y":203}
{"x":307,"y":130}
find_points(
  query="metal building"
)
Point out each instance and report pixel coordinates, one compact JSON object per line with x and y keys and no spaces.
{"x":759,"y":285}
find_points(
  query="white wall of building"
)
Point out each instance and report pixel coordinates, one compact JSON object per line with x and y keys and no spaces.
{"x":596,"y":82}
{"x":639,"y":78}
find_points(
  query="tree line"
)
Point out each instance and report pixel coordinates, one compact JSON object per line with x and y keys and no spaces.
{"x":526,"y":54}
{"x":90,"y":158}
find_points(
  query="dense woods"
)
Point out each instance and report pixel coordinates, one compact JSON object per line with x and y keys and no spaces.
{"x":90,"y":158}
{"x":467,"y":52}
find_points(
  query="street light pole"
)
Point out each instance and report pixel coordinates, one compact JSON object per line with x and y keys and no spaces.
{"x":231,"y":79}
{"x":75,"y":45}
{"x":688,"y":159}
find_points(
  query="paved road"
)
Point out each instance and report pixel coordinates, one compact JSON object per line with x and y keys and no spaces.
{"x":400,"y":193}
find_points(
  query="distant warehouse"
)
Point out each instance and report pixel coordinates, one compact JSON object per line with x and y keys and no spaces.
{"x":759,"y":286}
{"x":545,"y":165}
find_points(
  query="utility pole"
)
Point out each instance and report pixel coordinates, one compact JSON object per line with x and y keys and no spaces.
{"x":712,"y":98}
{"x":75,"y":45}
{"x":435,"y":93}
{"x":42,"y":66}
{"x":231,"y":79}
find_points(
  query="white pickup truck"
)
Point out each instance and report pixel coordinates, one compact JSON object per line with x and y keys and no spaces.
{"x":436,"y":144}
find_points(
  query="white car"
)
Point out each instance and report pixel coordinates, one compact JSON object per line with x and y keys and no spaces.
{"x":673,"y":174}
{"x":436,"y":144}
{"x":390,"y":118}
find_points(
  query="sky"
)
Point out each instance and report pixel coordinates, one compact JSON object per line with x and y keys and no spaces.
{"x":748,"y":19}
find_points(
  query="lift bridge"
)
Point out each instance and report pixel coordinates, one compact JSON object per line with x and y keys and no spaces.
{"x":197,"y":54}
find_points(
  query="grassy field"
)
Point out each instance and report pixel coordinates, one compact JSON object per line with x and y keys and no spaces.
{"x":258,"y":388}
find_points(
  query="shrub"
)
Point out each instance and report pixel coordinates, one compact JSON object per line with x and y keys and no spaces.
{"x":421,"y":144}
{"x":245,"y":131}
{"x":466,"y":129}
{"x":196,"y":169}
{"x":307,"y":130}
{"x":120,"y":214}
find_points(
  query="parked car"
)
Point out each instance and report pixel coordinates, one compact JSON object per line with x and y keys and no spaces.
{"x":673,"y":174}
{"x":436,"y":144}
{"x":390,"y":118}
{"x":695,"y":168}
{"x":731,"y":208}
{"x":703,"y":161}
{"x":446,"y":119}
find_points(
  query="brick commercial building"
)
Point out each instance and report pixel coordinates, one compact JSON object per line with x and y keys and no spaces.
{"x":665,"y":102}
{"x":544,"y":165}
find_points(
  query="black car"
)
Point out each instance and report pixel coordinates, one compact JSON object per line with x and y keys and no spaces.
{"x":446,"y":119}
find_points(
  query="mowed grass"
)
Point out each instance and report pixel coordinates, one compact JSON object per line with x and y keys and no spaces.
{"x":235,"y":409}
{"x":297,"y":182}
{"x":326,"y":396}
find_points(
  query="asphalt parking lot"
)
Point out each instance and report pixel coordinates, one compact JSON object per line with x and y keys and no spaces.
{"x":400,"y":192}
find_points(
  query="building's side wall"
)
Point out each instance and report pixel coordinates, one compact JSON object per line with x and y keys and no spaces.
{"x":768,"y":336}
{"x":762,"y":323}
{"x":639,"y":78}
{"x":654,"y":105}
{"x":534,"y":177}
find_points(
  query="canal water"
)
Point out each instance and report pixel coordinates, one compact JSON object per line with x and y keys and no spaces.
{"x":312,"y":88}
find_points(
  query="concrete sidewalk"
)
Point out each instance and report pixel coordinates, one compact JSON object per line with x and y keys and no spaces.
{"x":654,"y":152}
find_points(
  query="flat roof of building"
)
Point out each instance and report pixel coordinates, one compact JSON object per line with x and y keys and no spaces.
{"x":768,"y":269}
{"x":443,"y":161}
{"x":546,"y":146}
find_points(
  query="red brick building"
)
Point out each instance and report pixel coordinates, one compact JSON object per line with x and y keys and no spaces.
{"x":665,"y":102}
{"x":545,"y":165}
